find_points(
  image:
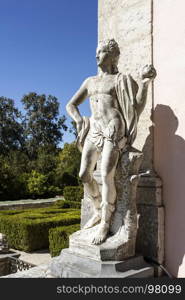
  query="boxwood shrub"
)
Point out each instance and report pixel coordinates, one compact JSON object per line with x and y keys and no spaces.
{"x":73,"y":193}
{"x":67,"y":204}
{"x":29,"y":230}
{"x":59,"y":238}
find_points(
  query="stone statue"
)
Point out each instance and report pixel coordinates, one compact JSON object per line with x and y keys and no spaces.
{"x":116,"y":102}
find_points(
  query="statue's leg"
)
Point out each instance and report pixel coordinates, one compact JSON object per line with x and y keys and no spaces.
{"x":88,"y":162}
{"x":110,"y":157}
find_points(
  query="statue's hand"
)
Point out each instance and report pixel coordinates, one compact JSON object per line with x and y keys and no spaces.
{"x":148,"y":73}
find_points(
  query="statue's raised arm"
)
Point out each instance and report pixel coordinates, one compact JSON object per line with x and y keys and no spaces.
{"x":148,"y":74}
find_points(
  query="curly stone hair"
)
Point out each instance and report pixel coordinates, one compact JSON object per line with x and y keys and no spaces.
{"x":113,"y":49}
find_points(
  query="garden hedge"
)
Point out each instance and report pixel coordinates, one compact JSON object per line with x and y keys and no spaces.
{"x":59,"y":238}
{"x":73,"y":193}
{"x":67,"y":204}
{"x":28,"y":230}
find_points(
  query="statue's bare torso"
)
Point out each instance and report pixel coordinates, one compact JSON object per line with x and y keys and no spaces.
{"x":104,"y":103}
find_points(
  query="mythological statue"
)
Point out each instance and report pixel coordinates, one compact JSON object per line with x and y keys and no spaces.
{"x":116,"y":102}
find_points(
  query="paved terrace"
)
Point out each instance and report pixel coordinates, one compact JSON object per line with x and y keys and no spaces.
{"x":28,"y":203}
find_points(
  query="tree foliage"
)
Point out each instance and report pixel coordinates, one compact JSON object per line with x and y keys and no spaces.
{"x":69,"y":158}
{"x":11,"y":126}
{"x":31,"y":162}
{"x":43,"y":126}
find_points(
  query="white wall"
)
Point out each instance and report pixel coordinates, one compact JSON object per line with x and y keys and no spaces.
{"x":169,"y":116}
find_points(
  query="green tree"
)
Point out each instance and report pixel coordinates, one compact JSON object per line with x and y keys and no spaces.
{"x":46,"y":160}
{"x":11,"y":126}
{"x":68,"y":166}
{"x":36,"y":184}
{"x":13,"y":175}
{"x":29,"y":153}
{"x":43,"y":126}
{"x":69,"y":158}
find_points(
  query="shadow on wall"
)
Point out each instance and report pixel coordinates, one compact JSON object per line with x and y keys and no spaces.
{"x":169,"y":162}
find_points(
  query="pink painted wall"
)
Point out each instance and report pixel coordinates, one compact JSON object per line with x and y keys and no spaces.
{"x":169,"y":119}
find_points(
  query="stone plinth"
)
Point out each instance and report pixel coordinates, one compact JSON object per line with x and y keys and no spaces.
{"x":114,"y":248}
{"x":70,"y":265}
{"x":150,"y":236}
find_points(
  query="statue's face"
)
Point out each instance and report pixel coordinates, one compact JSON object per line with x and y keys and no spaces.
{"x":102,"y":56}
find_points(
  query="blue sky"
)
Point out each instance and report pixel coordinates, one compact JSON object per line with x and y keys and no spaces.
{"x":47,"y":46}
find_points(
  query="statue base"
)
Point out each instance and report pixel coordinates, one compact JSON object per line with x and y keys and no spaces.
{"x":114,"y":248}
{"x":71,"y":265}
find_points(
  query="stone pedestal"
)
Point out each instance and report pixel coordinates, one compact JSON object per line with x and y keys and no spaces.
{"x":150,"y":235}
{"x":71,"y":265}
{"x":115,"y":247}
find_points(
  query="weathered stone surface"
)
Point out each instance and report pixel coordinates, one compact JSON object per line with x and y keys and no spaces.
{"x":86,"y":210}
{"x":4,"y":266}
{"x":36,"y":272}
{"x":114,"y":248}
{"x":150,"y":180}
{"x":149,"y":191}
{"x":149,"y":196}
{"x":150,"y":235}
{"x":151,"y":221}
{"x":5,"y":262}
{"x":69,"y":265}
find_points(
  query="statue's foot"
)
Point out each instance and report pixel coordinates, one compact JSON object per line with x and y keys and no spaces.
{"x":93,"y":221}
{"x":101,"y":234}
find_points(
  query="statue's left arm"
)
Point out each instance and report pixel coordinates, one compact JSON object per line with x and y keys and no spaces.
{"x":72,"y":105}
{"x":147,"y":75}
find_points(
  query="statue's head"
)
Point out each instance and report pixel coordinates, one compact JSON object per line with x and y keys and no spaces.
{"x":108,"y":53}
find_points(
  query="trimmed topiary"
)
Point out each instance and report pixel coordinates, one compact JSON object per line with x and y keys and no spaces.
{"x":29,"y":230}
{"x":67,"y":204}
{"x":59,"y":238}
{"x":73,"y":193}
